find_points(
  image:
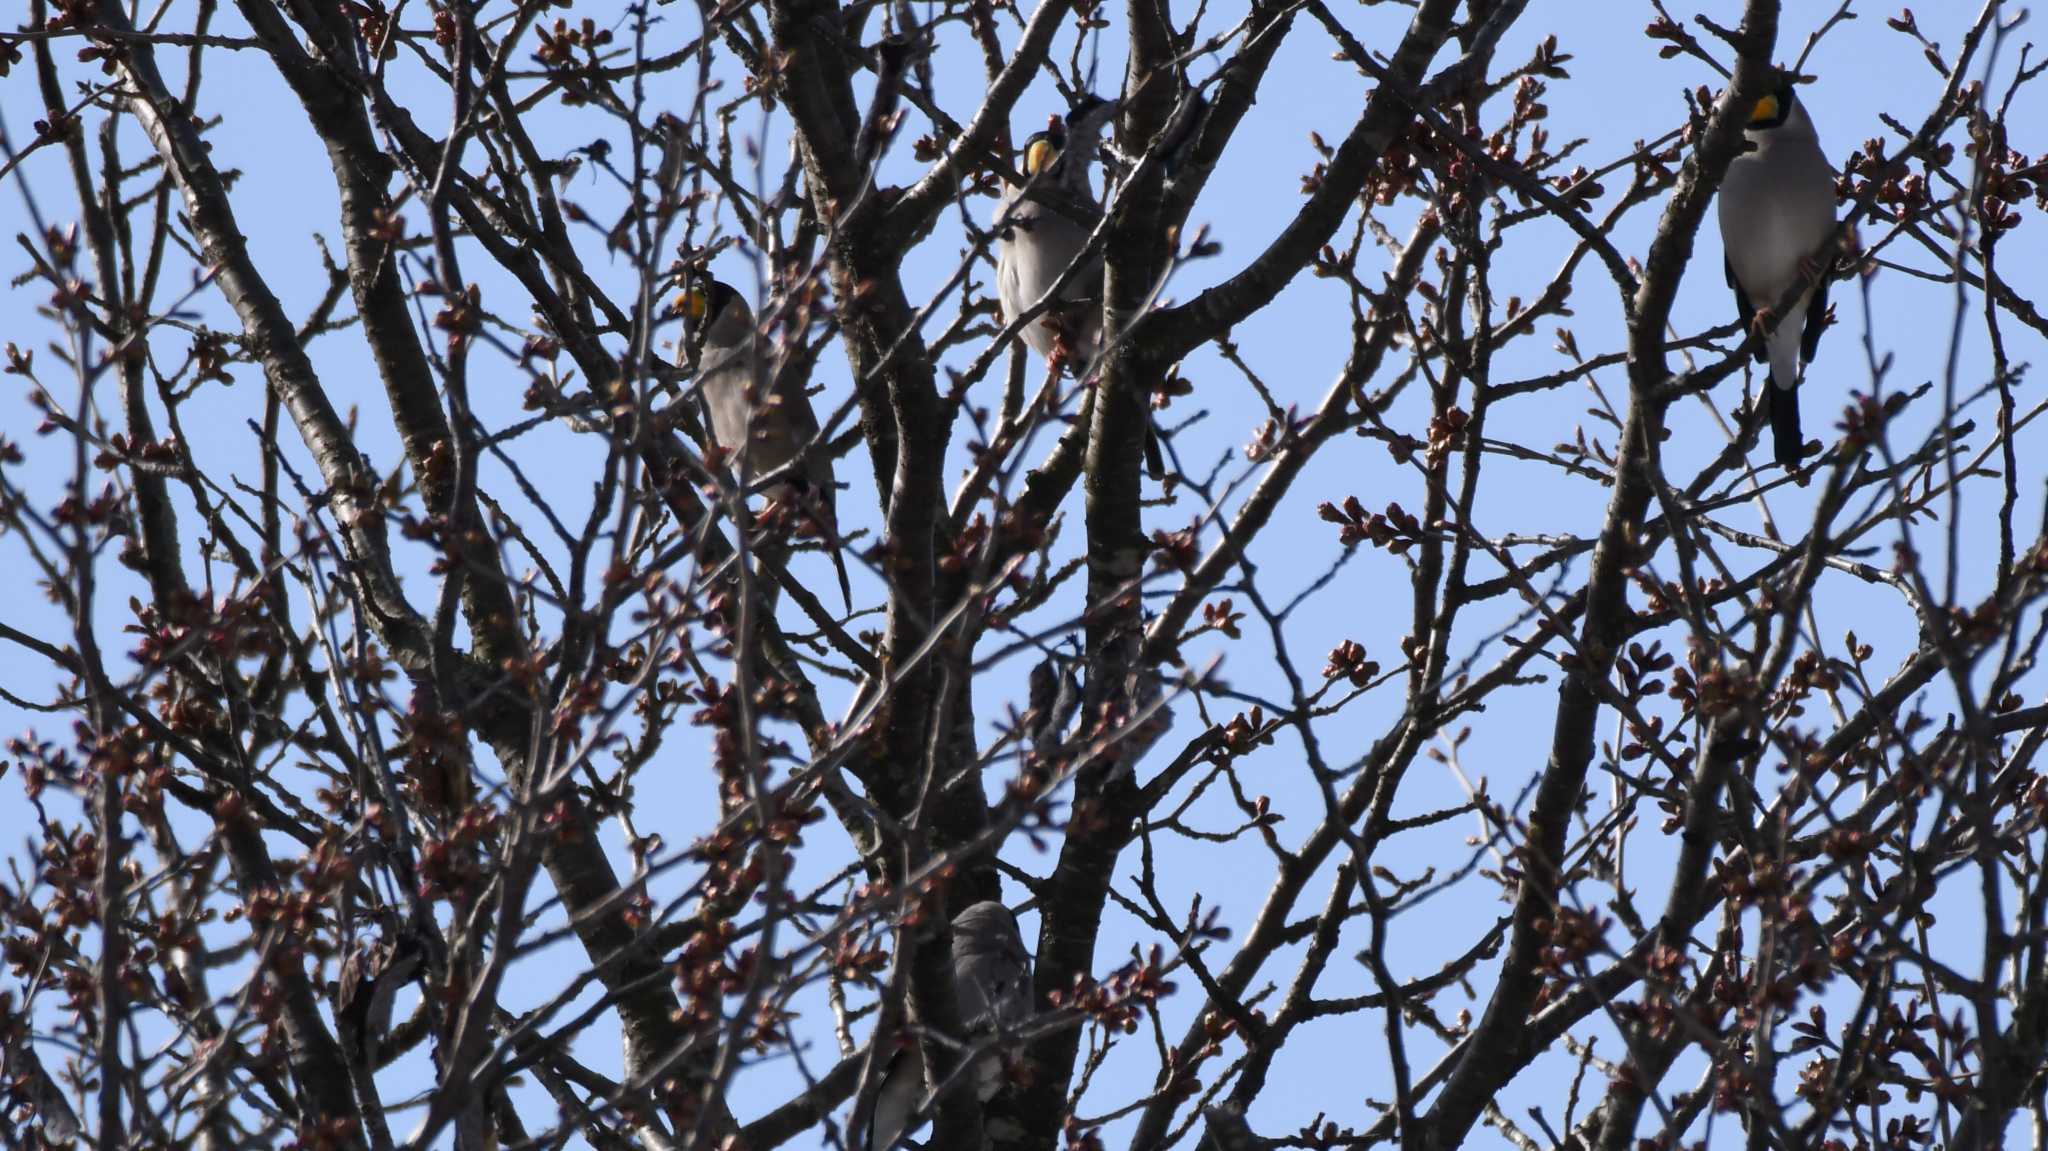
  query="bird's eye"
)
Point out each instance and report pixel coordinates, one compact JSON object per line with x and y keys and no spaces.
{"x":1037,"y":156}
{"x":1765,"y":112}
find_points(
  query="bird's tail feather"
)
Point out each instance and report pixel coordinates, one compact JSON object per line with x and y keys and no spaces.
{"x":827,"y":512}
{"x":1783,"y":347}
{"x":1787,"y":442}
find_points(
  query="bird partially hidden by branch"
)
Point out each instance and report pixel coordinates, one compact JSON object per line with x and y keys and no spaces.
{"x":367,"y":990}
{"x":760,"y":418}
{"x":992,"y":990}
{"x":1040,"y":241}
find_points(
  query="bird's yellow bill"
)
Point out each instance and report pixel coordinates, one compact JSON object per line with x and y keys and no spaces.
{"x":1766,"y":110}
{"x":1037,"y":156}
{"x":692,"y":303}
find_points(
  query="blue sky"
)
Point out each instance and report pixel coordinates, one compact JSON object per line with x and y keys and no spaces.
{"x":1620,"y":92}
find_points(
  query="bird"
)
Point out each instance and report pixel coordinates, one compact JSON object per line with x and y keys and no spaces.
{"x":1039,"y":242}
{"x":991,"y":992}
{"x":991,"y":968}
{"x":1054,"y":699}
{"x":1184,"y":130}
{"x":758,"y":415}
{"x":896,"y":1101}
{"x":1777,"y":207}
{"x":29,"y":1083}
{"x":1174,"y":146}
{"x":672,"y":140}
{"x":368,"y":990}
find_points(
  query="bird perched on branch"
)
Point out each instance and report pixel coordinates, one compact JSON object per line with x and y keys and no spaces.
{"x":1040,"y":242}
{"x":991,"y":968}
{"x":1777,"y":209}
{"x":758,"y":416}
{"x":991,"y":990}
{"x":370,"y":981}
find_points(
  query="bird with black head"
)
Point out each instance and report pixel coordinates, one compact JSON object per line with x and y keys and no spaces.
{"x":1777,"y":208}
{"x":760,"y":418}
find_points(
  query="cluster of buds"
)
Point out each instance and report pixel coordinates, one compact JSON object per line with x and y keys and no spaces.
{"x":460,"y":315}
{"x":1398,"y":170}
{"x":1811,"y":672}
{"x":1570,"y":937}
{"x":1347,"y":661}
{"x":1905,"y":193}
{"x":1657,"y":1013}
{"x":298,"y":918}
{"x":1120,"y":1001}
{"x":1639,"y":666}
{"x":157,"y":455}
{"x":1244,"y":732}
{"x":1749,"y":882}
{"x":559,"y":43}
{"x":1711,"y":689}
{"x":1177,"y":551}
{"x":704,"y":972}
{"x":436,"y":748}
{"x":2006,"y":177}
{"x":187,"y":624}
{"x":449,"y":867}
{"x":1446,"y":431}
{"x":1394,"y":530}
{"x":559,"y":50}
{"x":1224,"y":617}
{"x":1666,"y":597}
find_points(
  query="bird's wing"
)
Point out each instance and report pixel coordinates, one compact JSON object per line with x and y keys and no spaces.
{"x":1009,"y":284}
{"x":897,"y":1101}
{"x":1816,"y":318}
{"x":778,"y":430}
{"x":1744,"y":310}
{"x":1810,"y":190}
{"x":993,"y":988}
{"x":1013,"y":1005}
{"x":724,"y":376}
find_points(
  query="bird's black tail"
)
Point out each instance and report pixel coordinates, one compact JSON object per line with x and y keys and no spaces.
{"x":1786,"y":441}
{"x":1155,"y":462}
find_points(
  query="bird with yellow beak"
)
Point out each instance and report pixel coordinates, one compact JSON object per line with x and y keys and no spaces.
{"x":1777,"y":208}
{"x":1039,"y":242}
{"x":761,"y":419}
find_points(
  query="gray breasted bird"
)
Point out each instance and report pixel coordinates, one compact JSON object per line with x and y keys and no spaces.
{"x":991,"y":990}
{"x":1777,"y":209}
{"x":755,"y":409}
{"x":1039,"y":242}
{"x":991,"y":968}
